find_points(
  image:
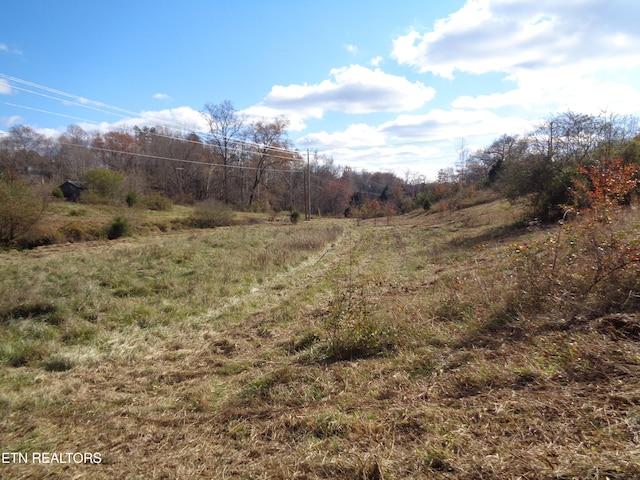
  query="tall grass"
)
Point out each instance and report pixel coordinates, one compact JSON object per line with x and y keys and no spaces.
{"x":321,"y":350}
{"x":150,"y":283}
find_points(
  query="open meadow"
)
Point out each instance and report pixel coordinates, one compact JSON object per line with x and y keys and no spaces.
{"x":448,"y":345}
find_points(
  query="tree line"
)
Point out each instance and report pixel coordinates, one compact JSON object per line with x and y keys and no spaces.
{"x":246,"y":164}
{"x":542,"y":168}
{"x":252,"y":165}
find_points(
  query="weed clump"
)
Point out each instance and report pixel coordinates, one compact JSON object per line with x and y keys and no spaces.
{"x":57,"y":193}
{"x":57,"y":363}
{"x":119,"y":227}
{"x":211,"y":214}
{"x":353,"y":329}
{"x":76,"y":232}
{"x":154,"y":202}
{"x":37,"y":309}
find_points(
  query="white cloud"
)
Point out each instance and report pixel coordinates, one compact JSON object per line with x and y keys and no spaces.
{"x":559,"y":55}
{"x":354,"y":90}
{"x":161,"y":96}
{"x":5,"y":48}
{"x":182,"y":118}
{"x":353,"y":49}
{"x":398,"y":159}
{"x":561,"y":90}
{"x":5,"y":87}
{"x":419,"y":143}
{"x":376,"y":61}
{"x":446,"y":125}
{"x":516,"y":37}
{"x":354,"y":136}
{"x":12,"y":120}
{"x":262,"y":112}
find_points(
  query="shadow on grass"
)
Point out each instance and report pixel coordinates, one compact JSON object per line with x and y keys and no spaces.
{"x":496,"y":234}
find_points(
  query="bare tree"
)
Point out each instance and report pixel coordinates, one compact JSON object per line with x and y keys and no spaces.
{"x":486,"y":163}
{"x":73,"y":152}
{"x":226,"y":127}
{"x":271,"y":149}
{"x":25,"y":148}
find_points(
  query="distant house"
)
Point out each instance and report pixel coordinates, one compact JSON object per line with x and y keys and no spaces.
{"x":72,"y":190}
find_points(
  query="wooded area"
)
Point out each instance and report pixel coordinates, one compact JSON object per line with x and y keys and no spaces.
{"x":249,"y":165}
{"x":253,"y":166}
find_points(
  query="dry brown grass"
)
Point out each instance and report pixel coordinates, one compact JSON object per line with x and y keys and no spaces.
{"x":241,"y":386}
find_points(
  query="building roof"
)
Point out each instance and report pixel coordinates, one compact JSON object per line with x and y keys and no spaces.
{"x":75,"y":184}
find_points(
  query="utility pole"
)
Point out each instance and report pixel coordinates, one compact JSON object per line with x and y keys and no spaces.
{"x":550,"y":153}
{"x":307,"y":207}
{"x":304,"y":200}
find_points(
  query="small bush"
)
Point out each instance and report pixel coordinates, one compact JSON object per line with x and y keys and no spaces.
{"x":157,"y":202}
{"x":103,"y":184}
{"x":57,"y":193}
{"x":76,"y":232}
{"x":295,"y":217}
{"x":20,"y":209}
{"x":262,"y":388}
{"x":131,"y":199}
{"x":119,"y":227}
{"x":304,"y":342}
{"x":354,"y":331}
{"x":77,"y":212}
{"x":211,"y":214}
{"x":426,"y":204}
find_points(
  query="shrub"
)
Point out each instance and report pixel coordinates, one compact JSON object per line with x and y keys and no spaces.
{"x":295,"y":217}
{"x":28,"y":345}
{"x":131,"y":199}
{"x":77,"y":232}
{"x":102,"y":184}
{"x":211,"y":214}
{"x":77,"y":212}
{"x":57,"y":193}
{"x":119,"y":227}
{"x":588,"y":266}
{"x":424,"y":199}
{"x":20,"y":209}
{"x":353,"y":329}
{"x":157,"y":202}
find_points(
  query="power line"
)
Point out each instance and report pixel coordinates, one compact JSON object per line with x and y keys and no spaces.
{"x":50,"y":113}
{"x":171,"y":159}
{"x":124,"y":113}
{"x":82,"y":101}
{"x":154,"y":133}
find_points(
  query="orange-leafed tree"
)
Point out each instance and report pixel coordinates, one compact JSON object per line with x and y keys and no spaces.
{"x":606,"y":185}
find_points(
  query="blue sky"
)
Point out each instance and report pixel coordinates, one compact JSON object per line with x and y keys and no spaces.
{"x":391,"y":85}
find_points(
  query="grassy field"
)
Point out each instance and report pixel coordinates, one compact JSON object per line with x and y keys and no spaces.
{"x":422,"y":346}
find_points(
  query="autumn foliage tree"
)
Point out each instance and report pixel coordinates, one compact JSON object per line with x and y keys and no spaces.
{"x":605,"y":185}
{"x":590,"y":265}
